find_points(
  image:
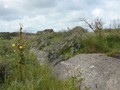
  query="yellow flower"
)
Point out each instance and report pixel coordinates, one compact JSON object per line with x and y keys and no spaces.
{"x":13,"y":45}
{"x":20,"y":47}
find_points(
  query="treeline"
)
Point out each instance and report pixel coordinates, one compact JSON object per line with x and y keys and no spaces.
{"x":8,"y":35}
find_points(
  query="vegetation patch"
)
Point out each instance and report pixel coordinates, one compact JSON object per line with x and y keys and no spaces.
{"x":60,"y":46}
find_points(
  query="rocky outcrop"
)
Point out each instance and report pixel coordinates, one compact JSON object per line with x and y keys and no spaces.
{"x":99,"y":71}
{"x":45,"y":31}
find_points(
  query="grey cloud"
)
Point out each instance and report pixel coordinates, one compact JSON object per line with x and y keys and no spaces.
{"x":4,"y":11}
{"x":10,"y":17}
{"x":80,"y":5}
{"x":45,"y":3}
{"x":8,"y":13}
{"x":26,"y":8}
{"x":64,"y":12}
{"x":39,"y":4}
{"x":44,"y":7}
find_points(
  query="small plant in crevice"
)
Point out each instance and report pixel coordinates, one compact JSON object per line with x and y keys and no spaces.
{"x":74,"y":75}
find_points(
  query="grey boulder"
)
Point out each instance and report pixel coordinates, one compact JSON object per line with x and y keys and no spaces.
{"x":99,"y":71}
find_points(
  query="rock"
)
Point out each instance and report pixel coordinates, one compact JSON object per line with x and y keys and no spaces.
{"x":41,"y":56}
{"x":48,"y":30}
{"x":99,"y":71}
{"x":78,"y":29}
{"x":45,"y":31}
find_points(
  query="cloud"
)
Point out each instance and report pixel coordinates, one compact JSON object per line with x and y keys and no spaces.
{"x":112,"y":9}
{"x":20,"y":8}
{"x":98,"y":12}
{"x":56,"y":14}
{"x":26,"y":4}
{"x":41,"y":3}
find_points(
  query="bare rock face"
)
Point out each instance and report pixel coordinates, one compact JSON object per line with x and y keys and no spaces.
{"x":99,"y":71}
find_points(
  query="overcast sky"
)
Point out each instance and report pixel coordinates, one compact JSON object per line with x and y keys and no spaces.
{"x":57,"y":14}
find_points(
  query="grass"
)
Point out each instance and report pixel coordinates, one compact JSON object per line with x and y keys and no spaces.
{"x":106,"y":44}
{"x":57,"y":45}
{"x":35,"y":76}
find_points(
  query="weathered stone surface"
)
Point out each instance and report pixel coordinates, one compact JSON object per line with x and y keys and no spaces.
{"x":41,"y":56}
{"x":99,"y":71}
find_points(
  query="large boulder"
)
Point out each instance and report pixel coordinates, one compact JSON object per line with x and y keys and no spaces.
{"x":99,"y":71}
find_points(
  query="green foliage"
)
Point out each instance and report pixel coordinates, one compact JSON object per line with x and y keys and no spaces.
{"x":35,"y":75}
{"x":94,"y":44}
{"x":4,"y":49}
{"x":7,"y":35}
{"x":60,"y":46}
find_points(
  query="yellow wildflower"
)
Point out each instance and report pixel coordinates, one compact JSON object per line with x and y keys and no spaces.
{"x":13,"y":45}
{"x":20,"y":47}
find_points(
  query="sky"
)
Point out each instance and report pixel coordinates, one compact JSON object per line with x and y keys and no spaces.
{"x":37,"y":15}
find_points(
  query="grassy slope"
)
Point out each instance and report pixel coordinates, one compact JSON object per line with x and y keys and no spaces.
{"x":61,"y":45}
{"x":35,"y":76}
